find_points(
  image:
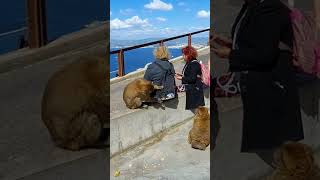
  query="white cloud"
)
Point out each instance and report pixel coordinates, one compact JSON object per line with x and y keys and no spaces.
{"x":181,"y":4}
{"x":159,"y":5}
{"x":126,"y":11}
{"x":134,"y":21}
{"x":161,"y":19}
{"x":118,"y":24}
{"x":203,"y":14}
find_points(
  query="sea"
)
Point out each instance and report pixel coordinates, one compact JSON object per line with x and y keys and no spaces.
{"x":136,"y":59}
{"x":63,"y":17}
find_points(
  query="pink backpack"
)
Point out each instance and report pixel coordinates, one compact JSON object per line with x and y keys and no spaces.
{"x":205,"y":73}
{"x":306,"y":43}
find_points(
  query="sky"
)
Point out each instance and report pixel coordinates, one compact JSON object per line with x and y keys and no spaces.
{"x":140,"y":19}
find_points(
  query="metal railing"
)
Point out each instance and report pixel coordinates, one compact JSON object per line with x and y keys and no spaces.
{"x":120,"y":52}
{"x":35,"y":24}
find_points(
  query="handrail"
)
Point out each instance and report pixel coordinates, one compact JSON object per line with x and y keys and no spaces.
{"x":13,"y":31}
{"x":120,"y":52}
{"x":157,"y":42}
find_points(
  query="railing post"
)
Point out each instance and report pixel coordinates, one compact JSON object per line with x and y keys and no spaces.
{"x":161,"y":43}
{"x":37,"y":23}
{"x":189,"y":40}
{"x":121,"y":63}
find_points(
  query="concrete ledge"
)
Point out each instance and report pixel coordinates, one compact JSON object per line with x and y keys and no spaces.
{"x":76,"y":41}
{"x":131,"y":129}
{"x":141,"y":71}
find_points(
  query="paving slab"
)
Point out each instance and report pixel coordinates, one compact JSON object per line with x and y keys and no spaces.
{"x":94,"y":167}
{"x":169,"y":156}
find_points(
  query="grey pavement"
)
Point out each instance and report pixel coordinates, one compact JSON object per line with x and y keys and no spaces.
{"x":227,"y":162}
{"x":169,"y":156}
{"x":85,"y":168}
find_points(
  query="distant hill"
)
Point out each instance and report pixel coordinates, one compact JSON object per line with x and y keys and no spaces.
{"x":196,"y":41}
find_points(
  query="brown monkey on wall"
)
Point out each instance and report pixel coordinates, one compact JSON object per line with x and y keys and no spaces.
{"x":75,"y":104}
{"x":139,"y":91}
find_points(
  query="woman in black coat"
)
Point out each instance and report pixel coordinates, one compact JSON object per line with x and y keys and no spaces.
{"x":191,"y":79}
{"x":261,"y":51}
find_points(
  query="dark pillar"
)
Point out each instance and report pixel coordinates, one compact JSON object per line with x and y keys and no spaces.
{"x":37,"y":23}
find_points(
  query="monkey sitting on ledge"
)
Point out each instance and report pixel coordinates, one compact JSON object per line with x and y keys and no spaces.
{"x":139,"y":91}
{"x":75,"y":104}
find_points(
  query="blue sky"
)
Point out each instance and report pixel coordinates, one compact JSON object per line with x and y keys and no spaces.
{"x":139,"y":19}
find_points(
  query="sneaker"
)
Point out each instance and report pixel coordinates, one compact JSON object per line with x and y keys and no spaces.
{"x":169,"y":96}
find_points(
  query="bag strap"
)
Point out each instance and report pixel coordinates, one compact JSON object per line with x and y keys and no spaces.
{"x":229,"y":87}
{"x":161,"y":67}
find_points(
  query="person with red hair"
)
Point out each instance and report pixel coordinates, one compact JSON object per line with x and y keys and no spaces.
{"x":191,"y":79}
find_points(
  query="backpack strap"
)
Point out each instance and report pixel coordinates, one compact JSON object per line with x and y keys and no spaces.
{"x":161,"y":67}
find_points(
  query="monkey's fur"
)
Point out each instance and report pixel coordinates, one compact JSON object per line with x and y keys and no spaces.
{"x":199,"y":135}
{"x":75,"y":104}
{"x":295,"y":161}
{"x":139,"y":91}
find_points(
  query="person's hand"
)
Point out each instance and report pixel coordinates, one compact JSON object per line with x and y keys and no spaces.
{"x":179,"y":74}
{"x":222,"y":41}
{"x":178,"y":77}
{"x":222,"y":52}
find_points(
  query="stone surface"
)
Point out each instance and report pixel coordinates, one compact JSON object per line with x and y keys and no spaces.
{"x":168,"y":156}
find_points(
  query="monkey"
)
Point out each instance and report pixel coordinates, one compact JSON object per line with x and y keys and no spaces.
{"x":139,"y":91}
{"x":295,"y":161}
{"x":199,"y":135}
{"x":75,"y":104}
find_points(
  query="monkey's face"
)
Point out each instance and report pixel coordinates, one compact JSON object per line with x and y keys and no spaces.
{"x":202,"y":111}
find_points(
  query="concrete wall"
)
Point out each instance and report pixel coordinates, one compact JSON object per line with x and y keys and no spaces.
{"x":133,"y":128}
{"x":82,"y":42}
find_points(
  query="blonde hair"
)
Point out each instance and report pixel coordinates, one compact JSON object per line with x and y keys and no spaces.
{"x":161,"y":53}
